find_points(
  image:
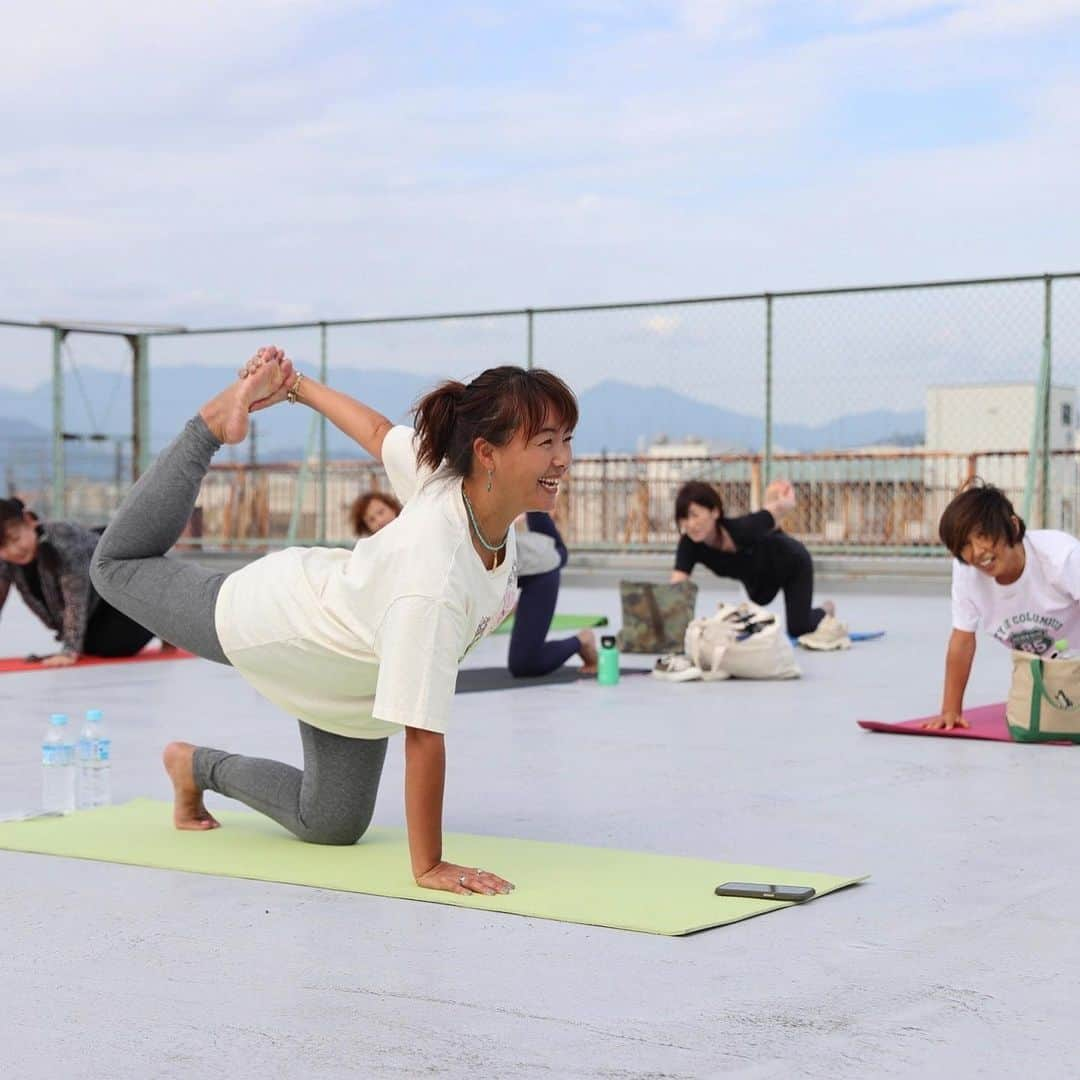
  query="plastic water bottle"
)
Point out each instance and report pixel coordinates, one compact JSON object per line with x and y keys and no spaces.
{"x":607,"y":671}
{"x":57,"y":767}
{"x":95,"y":746}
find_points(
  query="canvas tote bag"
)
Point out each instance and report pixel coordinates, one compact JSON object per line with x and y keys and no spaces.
{"x":1044,"y":699}
{"x":743,"y":642}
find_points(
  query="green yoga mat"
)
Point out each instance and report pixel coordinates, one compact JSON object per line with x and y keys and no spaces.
{"x":658,"y":894}
{"x":559,"y":623}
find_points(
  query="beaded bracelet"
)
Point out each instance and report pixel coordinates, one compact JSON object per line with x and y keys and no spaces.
{"x":292,"y":396}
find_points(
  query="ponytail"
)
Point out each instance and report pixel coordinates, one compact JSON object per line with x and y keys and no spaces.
{"x":436,"y":419}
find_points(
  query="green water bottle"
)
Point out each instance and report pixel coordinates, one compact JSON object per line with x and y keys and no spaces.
{"x":607,"y":672}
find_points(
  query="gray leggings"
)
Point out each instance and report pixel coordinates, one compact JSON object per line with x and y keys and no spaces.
{"x":331,"y":800}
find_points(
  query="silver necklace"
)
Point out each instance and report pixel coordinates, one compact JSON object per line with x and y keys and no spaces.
{"x":476,"y":528}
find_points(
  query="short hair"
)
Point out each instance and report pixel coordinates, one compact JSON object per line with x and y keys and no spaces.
{"x":979,"y":508}
{"x":696,"y":491}
{"x":360,"y":508}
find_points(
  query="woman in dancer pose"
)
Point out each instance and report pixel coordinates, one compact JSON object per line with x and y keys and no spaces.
{"x":359,"y":645}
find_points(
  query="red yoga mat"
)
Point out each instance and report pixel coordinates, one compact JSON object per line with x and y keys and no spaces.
{"x":20,"y":663}
{"x":987,"y":722}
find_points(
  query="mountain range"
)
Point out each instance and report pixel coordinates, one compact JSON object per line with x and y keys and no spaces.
{"x":616,"y":416}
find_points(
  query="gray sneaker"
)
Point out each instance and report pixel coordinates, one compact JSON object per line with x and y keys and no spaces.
{"x":831,"y":634}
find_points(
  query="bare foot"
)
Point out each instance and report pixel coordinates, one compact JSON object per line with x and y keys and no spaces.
{"x":189,"y":810}
{"x":590,"y":658}
{"x":262,"y":378}
{"x":828,"y":607}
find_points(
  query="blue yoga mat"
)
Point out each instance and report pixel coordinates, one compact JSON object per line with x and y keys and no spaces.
{"x":857,"y":635}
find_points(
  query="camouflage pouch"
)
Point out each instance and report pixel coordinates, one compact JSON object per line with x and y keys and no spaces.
{"x":655,"y":617}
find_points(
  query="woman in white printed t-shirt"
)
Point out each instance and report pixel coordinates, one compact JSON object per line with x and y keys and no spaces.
{"x":1022,"y":587}
{"x":360,"y":644}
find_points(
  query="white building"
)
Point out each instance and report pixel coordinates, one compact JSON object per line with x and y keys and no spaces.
{"x":995,"y":416}
{"x":992,"y":424}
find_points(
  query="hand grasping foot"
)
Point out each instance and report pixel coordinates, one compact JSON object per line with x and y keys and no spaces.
{"x":189,"y":810}
{"x":263,"y":381}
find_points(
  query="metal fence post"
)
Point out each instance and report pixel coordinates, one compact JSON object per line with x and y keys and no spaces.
{"x":1040,"y":427}
{"x":58,"y":480}
{"x":768,"y":387}
{"x":1047,"y":440}
{"x":140,"y":401}
{"x":529,"y":329}
{"x":323,"y":373}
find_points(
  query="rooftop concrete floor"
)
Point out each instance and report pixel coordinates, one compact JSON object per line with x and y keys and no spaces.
{"x":959,"y":957}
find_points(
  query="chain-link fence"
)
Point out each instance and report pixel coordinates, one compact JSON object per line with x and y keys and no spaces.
{"x":875,"y":401}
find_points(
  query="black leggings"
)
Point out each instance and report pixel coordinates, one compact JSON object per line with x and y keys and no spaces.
{"x":530,"y":654}
{"x":798,"y":586}
{"x":111,"y":633}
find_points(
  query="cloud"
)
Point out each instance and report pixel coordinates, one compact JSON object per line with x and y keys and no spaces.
{"x":249,"y":162}
{"x":736,"y":18}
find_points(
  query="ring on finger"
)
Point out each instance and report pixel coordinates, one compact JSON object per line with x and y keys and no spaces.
{"x":461,"y":880}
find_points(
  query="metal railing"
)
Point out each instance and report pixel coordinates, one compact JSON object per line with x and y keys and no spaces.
{"x":886,"y":502}
{"x":815,"y":370}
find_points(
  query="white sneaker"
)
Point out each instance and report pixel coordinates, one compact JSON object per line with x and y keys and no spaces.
{"x":830,"y":634}
{"x":676,"y":668}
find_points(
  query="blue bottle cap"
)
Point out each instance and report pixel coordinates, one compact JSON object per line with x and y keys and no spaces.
{"x":58,"y":718}
{"x":93,"y":715}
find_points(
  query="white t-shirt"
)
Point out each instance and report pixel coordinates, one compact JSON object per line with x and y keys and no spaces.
{"x":1037,"y":609}
{"x":362,"y":643}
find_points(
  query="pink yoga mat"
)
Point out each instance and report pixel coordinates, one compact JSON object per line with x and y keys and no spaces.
{"x":987,"y":722}
{"x":20,"y":663}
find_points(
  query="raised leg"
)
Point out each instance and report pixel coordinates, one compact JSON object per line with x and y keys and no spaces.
{"x":172,"y":598}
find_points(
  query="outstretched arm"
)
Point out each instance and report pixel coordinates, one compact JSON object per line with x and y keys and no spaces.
{"x":958,"y":660}
{"x":425,"y":779}
{"x":360,"y":422}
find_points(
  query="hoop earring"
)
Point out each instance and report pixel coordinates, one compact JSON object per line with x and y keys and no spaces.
{"x":491,"y":473}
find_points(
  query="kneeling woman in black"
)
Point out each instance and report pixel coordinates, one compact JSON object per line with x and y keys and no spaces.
{"x":48,"y":562}
{"x":754,"y":550}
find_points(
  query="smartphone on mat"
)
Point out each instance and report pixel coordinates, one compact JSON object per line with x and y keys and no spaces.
{"x":755,"y":890}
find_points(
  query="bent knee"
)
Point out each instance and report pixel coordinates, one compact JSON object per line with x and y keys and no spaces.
{"x":523,"y":669}
{"x":343,"y":833}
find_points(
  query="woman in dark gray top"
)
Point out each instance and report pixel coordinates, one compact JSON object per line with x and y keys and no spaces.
{"x":49,"y":563}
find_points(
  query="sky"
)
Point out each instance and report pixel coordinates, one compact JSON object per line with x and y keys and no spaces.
{"x":276,"y":160}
